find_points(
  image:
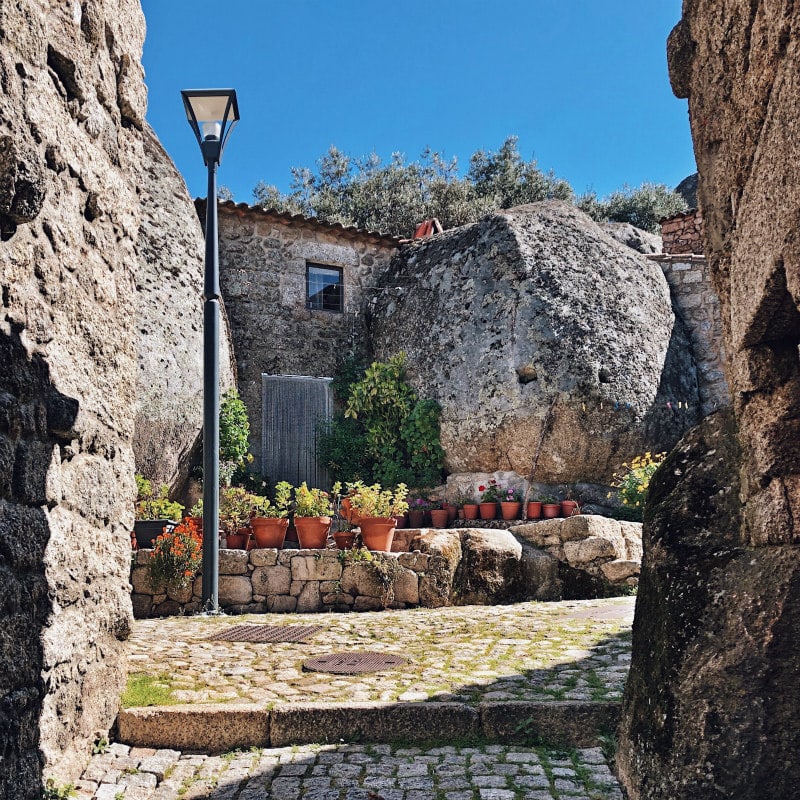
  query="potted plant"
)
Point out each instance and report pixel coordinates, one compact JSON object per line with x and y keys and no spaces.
{"x":153,"y":511}
{"x":569,"y":507}
{"x":376,"y":508}
{"x":534,"y":510}
{"x":510,"y":503}
{"x":439,"y":515}
{"x":235,"y":506}
{"x":418,"y":507}
{"x":271,"y":520}
{"x":551,"y":508}
{"x":312,"y":516}
{"x":468,"y":505}
{"x":196,"y":514}
{"x":490,"y":494}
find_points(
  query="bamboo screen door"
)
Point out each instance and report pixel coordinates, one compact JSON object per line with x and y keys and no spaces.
{"x":294,"y":408}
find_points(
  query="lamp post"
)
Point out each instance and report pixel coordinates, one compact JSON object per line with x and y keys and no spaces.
{"x":212,"y":113}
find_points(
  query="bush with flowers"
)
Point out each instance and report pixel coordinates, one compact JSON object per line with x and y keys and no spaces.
{"x":176,"y":556}
{"x":490,"y":493}
{"x":508,"y":495}
{"x":633,"y":484}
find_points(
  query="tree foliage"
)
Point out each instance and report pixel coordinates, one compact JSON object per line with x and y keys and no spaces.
{"x":643,"y":207}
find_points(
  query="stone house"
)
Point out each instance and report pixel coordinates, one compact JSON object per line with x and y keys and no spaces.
{"x":294,"y":290}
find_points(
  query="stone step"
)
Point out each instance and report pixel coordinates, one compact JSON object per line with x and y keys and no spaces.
{"x":216,"y":728}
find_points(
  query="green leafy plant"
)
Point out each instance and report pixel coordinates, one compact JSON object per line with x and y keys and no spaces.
{"x":54,"y":791}
{"x":644,"y":207}
{"x":311,"y":502}
{"x":153,"y":502}
{"x":342,"y":447}
{"x":633,"y":484}
{"x":490,"y":492}
{"x":176,"y":556}
{"x":281,"y":503}
{"x":237,"y":505}
{"x":147,"y":690}
{"x":99,"y":746}
{"x":374,"y":501}
{"x":234,"y":428}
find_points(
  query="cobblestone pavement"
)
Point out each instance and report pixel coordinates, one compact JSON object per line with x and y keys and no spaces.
{"x":351,"y":772}
{"x":572,"y":650}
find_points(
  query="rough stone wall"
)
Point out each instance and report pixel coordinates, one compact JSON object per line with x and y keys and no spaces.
{"x":683,"y":233}
{"x":71,"y":113}
{"x":263,"y":259}
{"x":551,"y":347}
{"x":170,"y":253}
{"x":712,"y":703}
{"x":697,"y":302}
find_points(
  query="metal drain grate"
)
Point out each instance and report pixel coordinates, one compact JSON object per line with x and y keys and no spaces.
{"x":267,"y":633}
{"x":354,"y":663}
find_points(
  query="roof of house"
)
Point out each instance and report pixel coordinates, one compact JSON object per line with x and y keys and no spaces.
{"x":300,"y":220}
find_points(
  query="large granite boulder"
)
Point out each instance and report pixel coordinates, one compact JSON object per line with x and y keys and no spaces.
{"x":71,"y":119}
{"x":169,"y":322}
{"x":551,"y":347}
{"x":711,"y":706}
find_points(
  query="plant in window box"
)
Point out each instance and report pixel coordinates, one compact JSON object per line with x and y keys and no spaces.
{"x":153,"y":511}
{"x":270,"y":521}
{"x":376,"y":508}
{"x":312,"y":516}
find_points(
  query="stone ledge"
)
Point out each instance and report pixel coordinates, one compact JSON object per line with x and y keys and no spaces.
{"x":220,"y":728}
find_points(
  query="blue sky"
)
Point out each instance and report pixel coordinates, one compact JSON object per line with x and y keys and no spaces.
{"x":583,"y":83}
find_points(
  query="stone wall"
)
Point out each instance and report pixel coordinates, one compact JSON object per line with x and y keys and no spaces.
{"x":683,"y":233}
{"x":695,"y":299}
{"x":71,"y":118}
{"x":263,"y":259}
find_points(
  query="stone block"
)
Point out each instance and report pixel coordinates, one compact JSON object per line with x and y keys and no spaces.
{"x":180,"y":594}
{"x":361,"y":579}
{"x":586,"y":551}
{"x":406,"y":587}
{"x":235,"y":589}
{"x":140,"y":580}
{"x":618,"y":571}
{"x":233,"y":562}
{"x":281,"y":604}
{"x":337,"y":599}
{"x":582,"y":526}
{"x":271,"y":580}
{"x":364,"y":603}
{"x":632,"y":535}
{"x":309,"y":598}
{"x":142,"y":605}
{"x":416,"y":561}
{"x":264,"y":557}
{"x":317,"y":567}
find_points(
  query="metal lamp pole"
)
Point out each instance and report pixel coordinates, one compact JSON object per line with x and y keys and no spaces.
{"x":212,"y":113}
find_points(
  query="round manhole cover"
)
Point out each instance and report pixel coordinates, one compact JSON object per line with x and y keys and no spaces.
{"x":353,"y":663}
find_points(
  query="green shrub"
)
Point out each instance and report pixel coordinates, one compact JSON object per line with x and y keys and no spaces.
{"x":644,"y":207}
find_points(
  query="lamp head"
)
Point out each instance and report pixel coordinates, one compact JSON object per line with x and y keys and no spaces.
{"x":212,"y":113}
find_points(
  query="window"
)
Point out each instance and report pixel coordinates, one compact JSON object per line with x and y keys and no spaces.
{"x":324,"y":290}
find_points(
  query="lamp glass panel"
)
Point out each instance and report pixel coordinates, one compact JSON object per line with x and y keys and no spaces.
{"x":209,"y":109}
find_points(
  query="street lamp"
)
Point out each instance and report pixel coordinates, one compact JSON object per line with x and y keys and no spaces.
{"x":212,"y":113}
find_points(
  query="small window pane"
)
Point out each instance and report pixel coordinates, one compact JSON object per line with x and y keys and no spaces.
{"x":324,"y":288}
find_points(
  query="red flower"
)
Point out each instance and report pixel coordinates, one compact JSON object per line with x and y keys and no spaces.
{"x":481,"y":488}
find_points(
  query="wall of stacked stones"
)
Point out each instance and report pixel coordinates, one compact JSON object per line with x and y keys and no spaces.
{"x":263,"y":260}
{"x":697,"y":302}
{"x":683,"y":233}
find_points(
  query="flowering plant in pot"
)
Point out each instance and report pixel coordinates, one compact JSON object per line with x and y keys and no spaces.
{"x":551,"y":507}
{"x":271,"y":520}
{"x":376,"y":508}
{"x":235,"y":508}
{"x":153,"y":511}
{"x":418,"y":507}
{"x":490,"y":495}
{"x":312,"y":516}
{"x":176,"y":557}
{"x":439,"y":515}
{"x":467,"y":504}
{"x":510,"y":502}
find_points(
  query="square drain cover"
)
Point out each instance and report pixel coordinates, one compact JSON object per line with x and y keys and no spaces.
{"x":267,"y":633}
{"x":354,"y":663}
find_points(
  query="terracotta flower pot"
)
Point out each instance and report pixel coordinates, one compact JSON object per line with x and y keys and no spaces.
{"x":452,"y":512}
{"x":510,"y":510}
{"x":416,"y":519}
{"x":344,"y":539}
{"x":470,"y":510}
{"x":551,"y":510}
{"x":488,"y":510}
{"x":569,"y":508}
{"x":348,"y":512}
{"x":377,"y":533}
{"x":534,"y":509}
{"x":439,"y":518}
{"x":312,"y":532}
{"x":269,"y":531}
{"x":238,"y":540}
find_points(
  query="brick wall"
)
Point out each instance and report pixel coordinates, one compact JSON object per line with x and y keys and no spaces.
{"x":262,"y":257}
{"x":683,"y":233}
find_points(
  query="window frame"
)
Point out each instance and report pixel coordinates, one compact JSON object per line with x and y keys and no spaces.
{"x":339,"y":283}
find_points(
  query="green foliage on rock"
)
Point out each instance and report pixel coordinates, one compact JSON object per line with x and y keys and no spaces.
{"x":387,"y":434}
{"x":234,"y":428}
{"x":643,"y":207}
{"x":394,"y":197}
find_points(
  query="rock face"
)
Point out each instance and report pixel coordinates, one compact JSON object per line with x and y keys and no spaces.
{"x":633,"y":237}
{"x":169,"y":322}
{"x":71,"y":119}
{"x":548,"y":344}
{"x":712,"y":701}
